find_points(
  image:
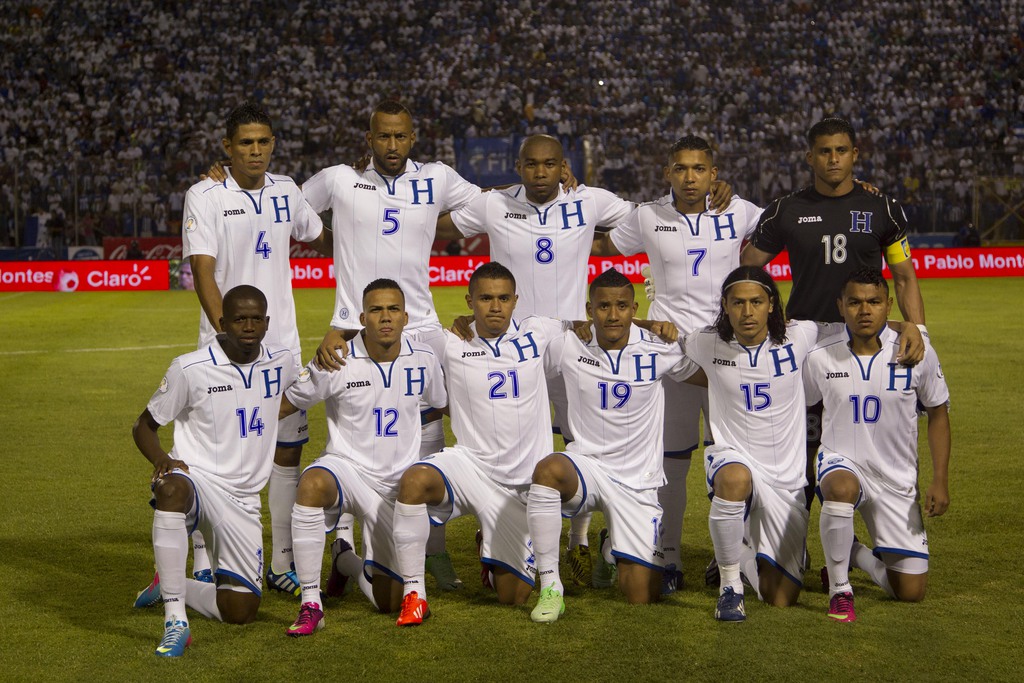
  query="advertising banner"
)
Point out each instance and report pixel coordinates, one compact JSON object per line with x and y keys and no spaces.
{"x":83,"y":276}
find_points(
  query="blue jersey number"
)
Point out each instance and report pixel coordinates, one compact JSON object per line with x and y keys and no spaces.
{"x":544,"y":253}
{"x":867,"y":408}
{"x":262,"y":247}
{"x":620,"y":391}
{"x":498,"y":380}
{"x":391,"y":221}
{"x":698,"y":255}
{"x":755,"y":396}
{"x":386,"y":419}
{"x":253,"y":425}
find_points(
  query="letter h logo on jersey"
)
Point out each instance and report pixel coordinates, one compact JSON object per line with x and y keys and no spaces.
{"x":416,"y":191}
{"x":899,"y":372}
{"x":860,"y":221}
{"x":273,"y":386}
{"x":530,"y":343}
{"x":778,"y":360}
{"x":282,"y":212}
{"x":419,"y":381}
{"x":640,"y":366}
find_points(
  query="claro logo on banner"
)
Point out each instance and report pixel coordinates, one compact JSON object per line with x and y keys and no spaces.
{"x":83,"y":276}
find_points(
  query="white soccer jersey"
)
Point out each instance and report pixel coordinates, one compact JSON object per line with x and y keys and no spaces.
{"x":498,"y":396}
{"x":225,"y":415}
{"x":871,"y":404}
{"x":690,"y":255}
{"x":373,"y":409}
{"x":757,"y":398}
{"x":384,"y":227}
{"x":248,"y":232}
{"x":617,"y":404}
{"x":546,"y":247}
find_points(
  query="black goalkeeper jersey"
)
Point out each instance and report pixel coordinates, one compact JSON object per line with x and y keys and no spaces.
{"x":828,"y":238}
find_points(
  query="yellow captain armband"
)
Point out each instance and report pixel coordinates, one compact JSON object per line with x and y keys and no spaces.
{"x":897,"y":252}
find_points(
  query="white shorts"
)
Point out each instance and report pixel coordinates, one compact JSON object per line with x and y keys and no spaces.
{"x":633,"y":516}
{"x":683,"y":406}
{"x":232,"y":530}
{"x":293,"y":430}
{"x":375,"y":510}
{"x":777,"y":518}
{"x":560,"y":402}
{"x":893,"y":518}
{"x":500,"y":510}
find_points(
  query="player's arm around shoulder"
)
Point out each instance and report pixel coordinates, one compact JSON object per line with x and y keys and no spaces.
{"x":333,"y":350}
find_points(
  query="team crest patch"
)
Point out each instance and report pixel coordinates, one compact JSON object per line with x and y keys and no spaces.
{"x":343,"y":314}
{"x":304,"y":376}
{"x":190,"y":224}
{"x":163,"y":385}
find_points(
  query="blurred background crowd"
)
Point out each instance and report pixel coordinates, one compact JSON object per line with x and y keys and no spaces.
{"x":110,"y":109}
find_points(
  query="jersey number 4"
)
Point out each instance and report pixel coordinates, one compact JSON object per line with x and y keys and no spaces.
{"x":262,"y":246}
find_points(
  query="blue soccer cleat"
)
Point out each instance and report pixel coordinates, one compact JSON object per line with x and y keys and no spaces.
{"x":286,"y":582}
{"x":177,"y":637}
{"x":150,"y":595}
{"x":730,"y":606}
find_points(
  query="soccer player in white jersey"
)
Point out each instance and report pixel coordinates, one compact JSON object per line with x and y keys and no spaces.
{"x":544,"y":234}
{"x":238,"y":231}
{"x":868,"y":456}
{"x":501,"y":418}
{"x":224,"y":400}
{"x":692,"y":249}
{"x":384,"y":221}
{"x":616,"y":410}
{"x":373,"y":424}
{"x":756,"y":466}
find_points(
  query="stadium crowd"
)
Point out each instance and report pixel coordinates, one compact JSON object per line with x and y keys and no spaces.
{"x":119,"y":104}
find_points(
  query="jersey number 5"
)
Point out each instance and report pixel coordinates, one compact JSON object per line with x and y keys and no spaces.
{"x":391,"y":224}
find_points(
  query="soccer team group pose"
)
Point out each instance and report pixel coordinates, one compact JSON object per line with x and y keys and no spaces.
{"x":816,"y":398}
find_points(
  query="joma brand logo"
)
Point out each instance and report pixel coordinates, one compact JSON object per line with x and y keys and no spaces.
{"x":234,"y":212}
{"x":518,"y":216}
{"x":809,"y":219}
{"x":665,"y":228}
{"x":588,"y":361}
{"x":363,"y":186}
{"x":356,"y":385}
{"x":217,"y":390}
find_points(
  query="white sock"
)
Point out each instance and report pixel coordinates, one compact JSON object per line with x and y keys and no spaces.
{"x":309,"y":541}
{"x":202,"y":597}
{"x":725,"y":522}
{"x":170,"y":550}
{"x":544,"y":518}
{"x":606,"y":550}
{"x":862,"y":558}
{"x":436,"y":541}
{"x":411,"y":529}
{"x":346,"y":528}
{"x":284,"y":482}
{"x":836,"y":528}
{"x":579,"y":527}
{"x":672,"y":497}
{"x":200,"y":559}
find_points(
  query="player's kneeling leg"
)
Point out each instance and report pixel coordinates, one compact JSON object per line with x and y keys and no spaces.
{"x":639,"y":583}
{"x":237,"y":604}
{"x":907,"y":584}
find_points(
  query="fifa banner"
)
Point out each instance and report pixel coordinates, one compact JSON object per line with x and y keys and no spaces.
{"x":83,"y":276}
{"x":454,"y":271}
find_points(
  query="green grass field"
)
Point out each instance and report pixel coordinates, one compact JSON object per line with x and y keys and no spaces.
{"x":76,"y":369}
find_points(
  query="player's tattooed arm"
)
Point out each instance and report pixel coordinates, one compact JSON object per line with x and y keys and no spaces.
{"x":664,"y":329}
{"x":721,"y":196}
{"x":936,"y":497}
{"x":461,"y":329}
{"x":330,"y":355}
{"x":210,"y":296}
{"x":144,"y":431}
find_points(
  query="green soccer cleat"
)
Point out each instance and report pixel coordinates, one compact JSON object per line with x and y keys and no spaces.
{"x":549,"y":607}
{"x":605,"y":573}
